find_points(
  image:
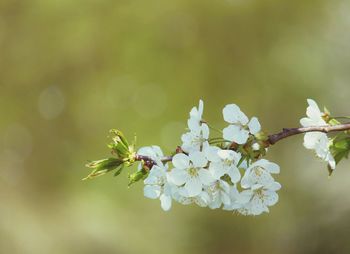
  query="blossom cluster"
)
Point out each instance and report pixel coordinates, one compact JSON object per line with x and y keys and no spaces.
{"x":221,"y":172}
{"x":223,"y":169}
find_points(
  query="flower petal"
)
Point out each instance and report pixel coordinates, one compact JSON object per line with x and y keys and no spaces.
{"x":234,"y":174}
{"x":233,"y":114}
{"x":177,"y":176}
{"x":236,"y":134}
{"x":254,"y":126}
{"x":217,"y":170}
{"x":205,"y":176}
{"x":211,"y":152}
{"x":205,"y":131}
{"x":181,"y":161}
{"x":151,"y":191}
{"x":311,"y":139}
{"x":193,"y":186}
{"x":198,"y":159}
{"x":165,"y":202}
{"x":270,"y":198}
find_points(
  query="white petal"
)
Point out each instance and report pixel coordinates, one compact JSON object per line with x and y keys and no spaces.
{"x":331,"y":162}
{"x":270,"y":167}
{"x":151,"y":180}
{"x":211,"y":152}
{"x":217,"y":170}
{"x":200,"y":108}
{"x":254,"y":126}
{"x":236,"y":134}
{"x":198,"y":159}
{"x":233,"y":114}
{"x":193,"y":124}
{"x":205,"y":131}
{"x":274,"y":186}
{"x":232,"y":155}
{"x":215,"y":203}
{"x":273,"y":168}
{"x":205,"y":177}
{"x":257,"y":206}
{"x":225,"y":198}
{"x":270,"y":198}
{"x":306,"y":122}
{"x":311,"y":139}
{"x":177,"y":176}
{"x":203,"y":199}
{"x":245,"y":181}
{"x":193,"y":186}
{"x":313,"y":111}
{"x":230,"y":113}
{"x":181,"y":161}
{"x":158,"y":151}
{"x":244,"y":197}
{"x":225,"y":186}
{"x":226,"y":154}
{"x":165,"y":202}
{"x":151,"y":191}
{"x":234,"y":174}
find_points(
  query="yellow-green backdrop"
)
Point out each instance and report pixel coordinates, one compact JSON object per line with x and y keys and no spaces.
{"x":72,"y":69}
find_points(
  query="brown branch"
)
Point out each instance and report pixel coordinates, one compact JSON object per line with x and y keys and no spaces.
{"x":272,"y":139}
{"x":287,"y":132}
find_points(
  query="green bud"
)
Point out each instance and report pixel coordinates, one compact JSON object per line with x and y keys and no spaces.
{"x":137,"y":176}
{"x":121,"y":147}
{"x":101,"y":167}
{"x":261,"y":136}
{"x":333,"y":121}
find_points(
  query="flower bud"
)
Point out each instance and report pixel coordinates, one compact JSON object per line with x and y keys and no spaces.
{"x":121,"y":148}
{"x":101,"y":167}
{"x":137,"y":176}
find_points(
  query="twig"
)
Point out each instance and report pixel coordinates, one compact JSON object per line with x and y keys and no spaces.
{"x":287,"y":132}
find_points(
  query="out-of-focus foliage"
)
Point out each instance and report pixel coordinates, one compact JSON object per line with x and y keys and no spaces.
{"x":71,"y":70}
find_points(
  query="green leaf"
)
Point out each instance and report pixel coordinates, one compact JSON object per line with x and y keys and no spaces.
{"x":340,"y":148}
{"x":119,"y":170}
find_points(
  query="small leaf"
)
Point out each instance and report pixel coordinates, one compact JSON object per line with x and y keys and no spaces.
{"x":340,"y":148}
{"x":119,"y":170}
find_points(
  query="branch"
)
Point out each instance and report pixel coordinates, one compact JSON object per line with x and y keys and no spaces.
{"x":287,"y":132}
{"x":149,"y":162}
{"x":272,"y":139}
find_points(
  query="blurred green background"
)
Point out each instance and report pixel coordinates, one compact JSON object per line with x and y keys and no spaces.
{"x":72,"y":70}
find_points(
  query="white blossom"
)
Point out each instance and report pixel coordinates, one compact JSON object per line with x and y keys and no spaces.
{"x":219,"y":193}
{"x":190,"y":173}
{"x":317,"y":141}
{"x":234,"y":198}
{"x":157,"y":186}
{"x":256,"y":200}
{"x":240,"y":127}
{"x":202,"y":199}
{"x":198,"y":131}
{"x":153,"y":152}
{"x":259,"y":173}
{"x":223,"y":162}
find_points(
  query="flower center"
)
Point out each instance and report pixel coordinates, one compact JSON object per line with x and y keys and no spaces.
{"x":258,"y":171}
{"x":228,"y":162}
{"x":193,"y":172}
{"x":198,"y":140}
{"x":260,"y":193}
